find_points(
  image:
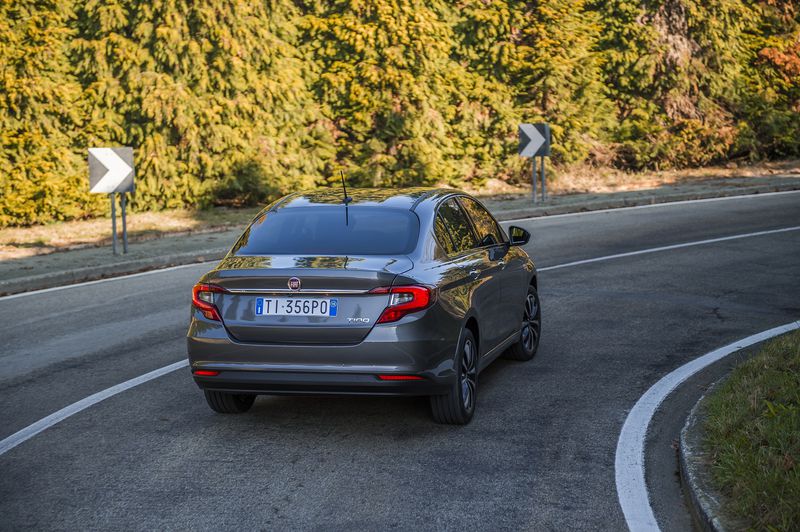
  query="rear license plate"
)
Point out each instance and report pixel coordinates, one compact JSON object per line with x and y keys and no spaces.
{"x":290,"y":306}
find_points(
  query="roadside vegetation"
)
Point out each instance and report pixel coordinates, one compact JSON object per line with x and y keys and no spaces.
{"x":232,"y":102}
{"x":753,"y":435}
{"x":20,"y":242}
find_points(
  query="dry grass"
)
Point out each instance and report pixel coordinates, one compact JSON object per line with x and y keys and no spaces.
{"x":17,"y":242}
{"x":582,"y":179}
{"x":585,"y":179}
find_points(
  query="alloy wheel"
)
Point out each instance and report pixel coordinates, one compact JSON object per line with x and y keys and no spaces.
{"x":531,"y":323}
{"x":469,"y":374}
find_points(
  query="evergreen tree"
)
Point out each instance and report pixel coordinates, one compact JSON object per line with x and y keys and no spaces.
{"x":232,"y":102}
{"x":699,"y":43}
{"x":769,"y":107}
{"x":627,"y":46}
{"x":40,"y":177}
{"x":558,"y":75}
{"x":212,"y":97}
{"x":405,"y":111}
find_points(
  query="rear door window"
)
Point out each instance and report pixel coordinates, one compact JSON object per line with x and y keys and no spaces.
{"x":488,"y":230}
{"x":458,"y":226}
{"x":443,"y":235}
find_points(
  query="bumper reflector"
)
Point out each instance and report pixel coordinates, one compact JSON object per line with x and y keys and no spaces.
{"x":206,"y":373}
{"x":400,"y":377}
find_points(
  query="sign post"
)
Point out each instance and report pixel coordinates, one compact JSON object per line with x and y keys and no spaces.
{"x":111,"y":172}
{"x":113,"y":223}
{"x":123,"y":200}
{"x":534,"y":141}
{"x":544,"y":185}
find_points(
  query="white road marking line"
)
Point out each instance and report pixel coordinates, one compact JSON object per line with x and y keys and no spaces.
{"x":32,"y":430}
{"x":629,"y":461}
{"x":667,"y":248}
{"x":550,"y":217}
{"x":652,"y":205}
{"x":98,"y":281}
{"x":44,"y":423}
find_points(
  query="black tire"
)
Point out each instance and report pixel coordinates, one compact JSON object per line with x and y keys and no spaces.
{"x":228,"y":403}
{"x":531,"y":330}
{"x":458,"y":405}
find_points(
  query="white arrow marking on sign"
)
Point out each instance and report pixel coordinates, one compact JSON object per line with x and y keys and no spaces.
{"x":536,"y":140}
{"x":118,"y":170}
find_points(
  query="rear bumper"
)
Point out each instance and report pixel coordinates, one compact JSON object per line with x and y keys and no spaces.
{"x":316,"y":383}
{"x":423,"y":345}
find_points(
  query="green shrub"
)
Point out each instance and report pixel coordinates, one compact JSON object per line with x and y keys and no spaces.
{"x":246,"y":186}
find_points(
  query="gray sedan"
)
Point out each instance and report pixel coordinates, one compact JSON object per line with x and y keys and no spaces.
{"x":384,"y":292}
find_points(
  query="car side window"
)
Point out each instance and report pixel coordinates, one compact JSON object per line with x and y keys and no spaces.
{"x":458,"y":226}
{"x":488,"y":230}
{"x":443,"y":235}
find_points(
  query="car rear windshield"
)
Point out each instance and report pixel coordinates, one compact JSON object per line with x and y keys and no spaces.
{"x":323,"y":230}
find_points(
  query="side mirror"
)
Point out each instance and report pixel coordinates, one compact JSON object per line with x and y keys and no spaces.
{"x":518,"y":236}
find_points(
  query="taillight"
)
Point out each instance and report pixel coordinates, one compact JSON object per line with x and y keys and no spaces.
{"x":203,"y":300}
{"x":400,"y":378}
{"x":404,"y":300}
{"x":206,"y":373}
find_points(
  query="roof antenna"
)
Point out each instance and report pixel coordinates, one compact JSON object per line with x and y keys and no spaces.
{"x":347,"y":199}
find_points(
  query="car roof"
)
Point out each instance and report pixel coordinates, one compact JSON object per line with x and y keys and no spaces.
{"x":398,"y":198}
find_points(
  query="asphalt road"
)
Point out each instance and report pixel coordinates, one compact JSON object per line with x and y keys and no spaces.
{"x":538,"y":455}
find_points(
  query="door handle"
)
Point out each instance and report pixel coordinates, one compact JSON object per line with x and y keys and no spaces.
{"x":502,"y":264}
{"x":474,"y":273}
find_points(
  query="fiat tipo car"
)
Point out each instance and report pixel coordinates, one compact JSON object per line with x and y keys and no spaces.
{"x":384,"y":292}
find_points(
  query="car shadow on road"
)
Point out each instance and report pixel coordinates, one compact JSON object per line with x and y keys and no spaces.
{"x":366,"y":414}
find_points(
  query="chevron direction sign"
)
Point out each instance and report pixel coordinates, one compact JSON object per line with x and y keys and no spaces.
{"x":534,"y":139}
{"x":110,"y":170}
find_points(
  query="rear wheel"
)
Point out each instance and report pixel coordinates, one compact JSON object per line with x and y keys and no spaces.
{"x":458,"y":405}
{"x":528,"y":342}
{"x":228,"y":403}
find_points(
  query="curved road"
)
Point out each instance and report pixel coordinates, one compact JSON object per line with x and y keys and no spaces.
{"x":538,"y":455}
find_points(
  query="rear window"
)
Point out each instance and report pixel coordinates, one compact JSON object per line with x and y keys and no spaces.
{"x":321,"y":230}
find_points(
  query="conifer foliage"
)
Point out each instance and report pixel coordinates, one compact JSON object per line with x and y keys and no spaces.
{"x":212,"y":96}
{"x":232,"y":102}
{"x":405,"y":111}
{"x":40,"y":122}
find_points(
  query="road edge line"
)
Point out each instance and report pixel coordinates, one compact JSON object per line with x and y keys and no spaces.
{"x":106,"y":279}
{"x":670,"y":247}
{"x":56,"y":417}
{"x":629,"y":459}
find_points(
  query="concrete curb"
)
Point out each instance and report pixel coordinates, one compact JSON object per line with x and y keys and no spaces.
{"x":703,"y":499}
{"x":79,"y":275}
{"x":603,"y":204}
{"x":703,"y":502}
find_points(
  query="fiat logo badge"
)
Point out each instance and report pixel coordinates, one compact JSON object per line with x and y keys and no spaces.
{"x":294,"y":283}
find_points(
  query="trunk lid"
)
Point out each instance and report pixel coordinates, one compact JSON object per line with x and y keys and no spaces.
{"x":339,"y":282}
